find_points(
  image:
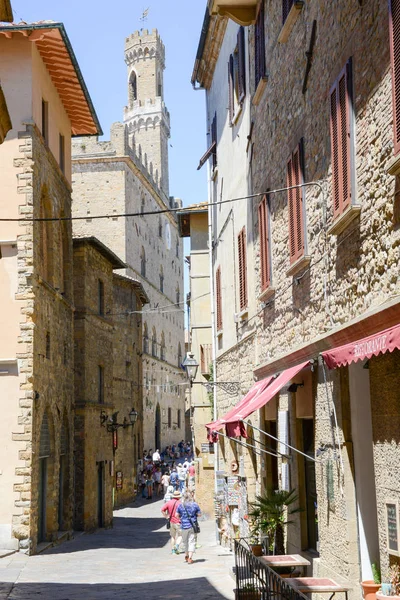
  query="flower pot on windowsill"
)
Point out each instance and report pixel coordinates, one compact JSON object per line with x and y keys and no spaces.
{"x":370,"y":588}
{"x":256,"y":549}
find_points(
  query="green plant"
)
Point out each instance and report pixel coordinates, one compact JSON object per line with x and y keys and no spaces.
{"x":269,"y":516}
{"x":249,"y":587}
{"x":376,"y":573}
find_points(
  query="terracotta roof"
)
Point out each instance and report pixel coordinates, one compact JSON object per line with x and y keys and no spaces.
{"x":5,"y":11}
{"x":136,"y":284}
{"x":108,"y":254}
{"x":56,"y":51}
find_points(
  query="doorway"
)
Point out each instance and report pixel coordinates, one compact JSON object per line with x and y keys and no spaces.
{"x":310,"y":485}
{"x":157,"y":432}
{"x":42,"y":499}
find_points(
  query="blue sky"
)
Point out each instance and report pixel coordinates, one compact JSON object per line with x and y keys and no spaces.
{"x":97,"y":30}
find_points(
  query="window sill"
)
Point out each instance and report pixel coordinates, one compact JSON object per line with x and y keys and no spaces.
{"x":298,"y":266}
{"x":393,"y":167}
{"x":290,"y":21}
{"x":262,"y":84}
{"x":344,"y":220}
{"x":242,"y":315}
{"x":266,"y":294}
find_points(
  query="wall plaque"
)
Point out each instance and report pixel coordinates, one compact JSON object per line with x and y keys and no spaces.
{"x":207,"y":448}
{"x":392,"y":527}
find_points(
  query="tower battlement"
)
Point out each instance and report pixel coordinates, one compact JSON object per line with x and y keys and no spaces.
{"x":144,"y":44}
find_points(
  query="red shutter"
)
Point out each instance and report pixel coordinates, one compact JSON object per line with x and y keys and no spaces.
{"x":295,"y":202}
{"x":242,"y":269}
{"x":242,"y":63}
{"x":263,"y":221}
{"x":340,"y":106}
{"x":230,"y":89}
{"x":219,"y":298}
{"x":394,"y":24}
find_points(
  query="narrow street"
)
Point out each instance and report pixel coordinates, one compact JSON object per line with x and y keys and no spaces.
{"x":132,"y":560}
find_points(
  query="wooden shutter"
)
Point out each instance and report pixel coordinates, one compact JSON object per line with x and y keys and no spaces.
{"x":295,"y":202}
{"x":340,"y":108}
{"x":231,"y":99}
{"x":214,"y":140}
{"x":259,"y":46}
{"x":394,"y":26}
{"x":286,"y":6}
{"x":242,"y":63}
{"x":242,"y":269}
{"x":219,"y":298}
{"x":263,"y":222}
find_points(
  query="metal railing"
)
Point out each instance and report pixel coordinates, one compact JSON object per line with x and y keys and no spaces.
{"x":257,"y":581}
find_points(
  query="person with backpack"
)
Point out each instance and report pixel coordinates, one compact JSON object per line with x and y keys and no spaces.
{"x":170,"y":511}
{"x":189,"y":511}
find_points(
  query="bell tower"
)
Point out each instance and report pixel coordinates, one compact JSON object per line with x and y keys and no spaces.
{"x":146,"y":115}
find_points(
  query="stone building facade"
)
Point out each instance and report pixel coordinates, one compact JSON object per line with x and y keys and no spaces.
{"x":321,"y":265}
{"x":36,"y":350}
{"x":128,"y":175}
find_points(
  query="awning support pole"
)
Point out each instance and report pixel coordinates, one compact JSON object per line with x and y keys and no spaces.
{"x":278,"y":440}
{"x":258,"y":450}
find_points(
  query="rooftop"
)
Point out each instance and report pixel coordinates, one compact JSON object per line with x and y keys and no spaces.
{"x":136,"y":284}
{"x":57,"y":54}
{"x":108,"y":254}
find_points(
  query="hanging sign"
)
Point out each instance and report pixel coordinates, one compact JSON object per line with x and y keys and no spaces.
{"x":392,"y":527}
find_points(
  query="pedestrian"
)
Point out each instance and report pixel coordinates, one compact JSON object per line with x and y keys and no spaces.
{"x":181,"y":478}
{"x":170,"y":510}
{"x":169,"y":493}
{"x":189,"y":511}
{"x":165,"y":481}
{"x":143,"y":480}
{"x":173,"y":479}
{"x":156,"y":457}
{"x":157,"y":481}
{"x":149,"y":486}
{"x":192,"y":475}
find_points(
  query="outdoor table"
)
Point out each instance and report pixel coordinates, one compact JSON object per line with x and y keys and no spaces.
{"x":317,"y":585}
{"x":285,"y":560}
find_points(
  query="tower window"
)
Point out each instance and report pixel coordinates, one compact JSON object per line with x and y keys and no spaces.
{"x":143,"y":263}
{"x":159,"y":85}
{"x":132,"y":88}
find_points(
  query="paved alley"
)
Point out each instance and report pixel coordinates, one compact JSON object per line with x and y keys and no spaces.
{"x":132,"y":560}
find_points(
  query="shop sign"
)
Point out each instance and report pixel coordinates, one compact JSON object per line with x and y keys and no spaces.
{"x":392,"y":527}
{"x":207,"y":448}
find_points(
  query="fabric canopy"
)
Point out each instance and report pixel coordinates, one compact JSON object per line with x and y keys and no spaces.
{"x":256,"y":398}
{"x":384,"y":341}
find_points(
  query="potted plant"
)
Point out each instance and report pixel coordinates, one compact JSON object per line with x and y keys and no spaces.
{"x":369,"y":586}
{"x":270,"y":515}
{"x":392,"y":587}
{"x":248,"y":592}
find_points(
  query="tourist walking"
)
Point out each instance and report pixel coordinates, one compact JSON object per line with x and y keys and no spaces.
{"x":173,"y":479}
{"x":149,"y":486}
{"x":165,"y":482}
{"x":157,"y":481}
{"x":181,"y":478}
{"x":189,"y":511}
{"x":170,"y":510}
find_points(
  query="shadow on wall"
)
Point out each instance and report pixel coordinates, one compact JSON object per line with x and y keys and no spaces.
{"x":199,"y":587}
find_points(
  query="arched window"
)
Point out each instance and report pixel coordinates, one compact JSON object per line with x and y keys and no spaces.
{"x":159,"y":85}
{"x":132,"y":88}
{"x":142,"y":206}
{"x":159,"y":228}
{"x":162,"y":346}
{"x":178,"y":295}
{"x":143,"y":262}
{"x":145,"y":339}
{"x":161,"y":279}
{"x":169,"y":417}
{"x":179,"y":354}
{"x":154,"y":343}
{"x":177,"y":247}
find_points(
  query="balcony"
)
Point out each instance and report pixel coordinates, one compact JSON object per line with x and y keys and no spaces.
{"x":242,"y":12}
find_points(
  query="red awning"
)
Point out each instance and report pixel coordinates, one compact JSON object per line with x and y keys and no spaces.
{"x":384,"y":341}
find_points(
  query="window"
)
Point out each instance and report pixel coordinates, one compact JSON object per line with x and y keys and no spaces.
{"x":159,"y":85}
{"x":159,"y":228}
{"x":205,"y":358}
{"x":170,"y":417}
{"x":341,"y":141}
{"x":394,"y":24}
{"x":162,"y":354}
{"x":45,"y":121}
{"x":154,"y":343}
{"x":100,"y":384}
{"x":259,"y":49}
{"x":142,"y":205}
{"x":263,"y":226}
{"x":48,"y":345}
{"x":286,"y":6}
{"x":179,"y":355}
{"x":178,"y":295}
{"x":145,"y":339}
{"x":177,"y":248}
{"x":132,"y":88}
{"x":62,"y":152}
{"x":296,"y":204}
{"x":46,"y":245}
{"x":143,"y":262}
{"x":242,"y":269}
{"x":179,"y":418}
{"x":100,"y":297}
{"x":161,"y":279}
{"x":237,"y":76}
{"x":218,"y":292}
{"x":214,"y":140}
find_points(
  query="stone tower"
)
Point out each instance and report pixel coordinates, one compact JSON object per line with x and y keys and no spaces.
{"x":146,"y":115}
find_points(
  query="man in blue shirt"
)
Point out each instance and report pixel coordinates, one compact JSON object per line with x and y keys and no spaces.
{"x":189,"y":511}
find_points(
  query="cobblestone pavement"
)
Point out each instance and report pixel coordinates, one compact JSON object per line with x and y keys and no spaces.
{"x":131,"y":561}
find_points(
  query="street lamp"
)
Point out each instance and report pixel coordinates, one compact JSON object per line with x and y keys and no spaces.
{"x":133,"y":416}
{"x":190,"y":365}
{"x":111,"y":422}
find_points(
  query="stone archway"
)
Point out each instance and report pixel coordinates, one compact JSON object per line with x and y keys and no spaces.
{"x":157,"y":428}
